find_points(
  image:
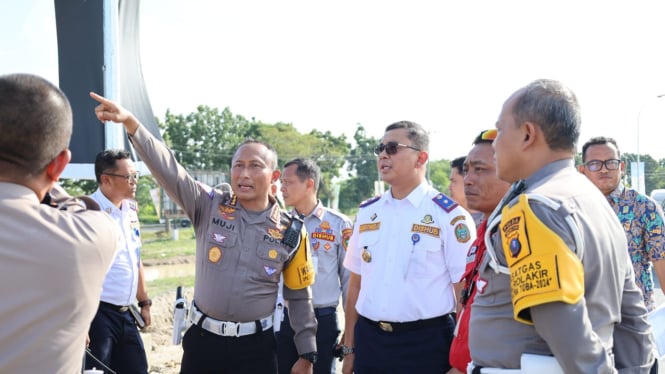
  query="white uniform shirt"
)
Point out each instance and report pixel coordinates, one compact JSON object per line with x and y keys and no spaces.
{"x":122,"y":278}
{"x":409,"y":252}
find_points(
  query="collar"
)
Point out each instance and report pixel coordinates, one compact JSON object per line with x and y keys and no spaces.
{"x":107,"y":206}
{"x":547,"y":170}
{"x":415,"y":197}
{"x":618,"y":192}
{"x":317,"y":212}
{"x":14,"y":191}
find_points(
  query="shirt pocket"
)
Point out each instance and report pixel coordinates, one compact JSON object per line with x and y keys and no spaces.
{"x":269,"y":262}
{"x":428,"y":258}
{"x":221,"y":252}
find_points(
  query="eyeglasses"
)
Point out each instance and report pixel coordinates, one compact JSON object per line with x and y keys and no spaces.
{"x":596,"y":165}
{"x":129,"y":178}
{"x":391,"y":148}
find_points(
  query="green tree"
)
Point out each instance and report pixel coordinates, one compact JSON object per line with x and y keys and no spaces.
{"x":361,"y":164}
{"x":205,"y":139}
{"x":439,"y":172}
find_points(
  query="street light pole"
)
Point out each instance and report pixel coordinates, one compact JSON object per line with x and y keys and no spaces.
{"x":639,"y":116}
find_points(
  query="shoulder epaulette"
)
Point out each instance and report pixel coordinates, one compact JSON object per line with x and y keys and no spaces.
{"x":369,"y":201}
{"x":445,"y":202}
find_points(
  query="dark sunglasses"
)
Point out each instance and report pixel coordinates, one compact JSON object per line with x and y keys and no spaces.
{"x":596,"y":165}
{"x":391,"y":148}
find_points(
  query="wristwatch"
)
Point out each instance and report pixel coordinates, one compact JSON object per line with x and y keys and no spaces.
{"x":310,"y":356}
{"x":346,"y":350}
{"x":146,"y":302}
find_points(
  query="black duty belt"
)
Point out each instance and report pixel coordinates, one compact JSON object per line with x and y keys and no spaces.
{"x":322,"y":312}
{"x":407,"y":326}
{"x":117,"y":308}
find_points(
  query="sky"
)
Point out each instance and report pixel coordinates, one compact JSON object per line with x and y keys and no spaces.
{"x":330,"y":65}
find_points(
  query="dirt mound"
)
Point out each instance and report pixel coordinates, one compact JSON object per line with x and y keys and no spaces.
{"x":163,"y":356}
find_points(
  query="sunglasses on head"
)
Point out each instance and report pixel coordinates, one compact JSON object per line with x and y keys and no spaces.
{"x":391,"y":148}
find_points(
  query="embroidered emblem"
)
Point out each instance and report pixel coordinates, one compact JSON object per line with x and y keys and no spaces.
{"x":218,"y":238}
{"x":272,"y":254}
{"x":327,"y":246}
{"x":214,"y":254}
{"x":269,"y":270}
{"x":429,"y":230}
{"x":346,"y":235}
{"x":275,"y":234}
{"x":462,"y":233}
{"x":458,"y":218}
{"x":369,"y":227}
{"x":427,"y":219}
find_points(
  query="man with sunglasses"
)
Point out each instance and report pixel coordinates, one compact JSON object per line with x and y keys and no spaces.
{"x":406,"y":255}
{"x":641,"y":216}
{"x":114,"y":337}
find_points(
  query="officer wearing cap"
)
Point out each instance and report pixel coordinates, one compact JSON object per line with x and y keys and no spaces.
{"x":406,"y":256}
{"x":243,"y":245}
{"x":329,"y":232}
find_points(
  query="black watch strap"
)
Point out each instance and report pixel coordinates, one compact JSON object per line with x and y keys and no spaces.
{"x":310,"y":356}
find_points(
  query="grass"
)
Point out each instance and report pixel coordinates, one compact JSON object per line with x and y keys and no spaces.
{"x":162,"y":285}
{"x":159,"y":245}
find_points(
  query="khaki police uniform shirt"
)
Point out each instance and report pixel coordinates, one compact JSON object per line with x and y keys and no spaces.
{"x":329,"y":232}
{"x":409,"y":252}
{"x":52,"y":265}
{"x":239,"y":255}
{"x":581,"y":335}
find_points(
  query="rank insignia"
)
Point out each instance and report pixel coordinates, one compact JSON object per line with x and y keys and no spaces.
{"x":275,"y":234}
{"x":226,"y":212}
{"x":214,"y":254}
{"x":427,"y":219}
{"x":272,"y":254}
{"x":366,"y":255}
{"x":445,"y":202}
{"x":462,"y":233}
{"x":327,"y":246}
{"x":373,"y":217}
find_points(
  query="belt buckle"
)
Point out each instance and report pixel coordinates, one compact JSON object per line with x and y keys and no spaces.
{"x":230,"y":329}
{"x":385,"y":326}
{"x":123,"y":309}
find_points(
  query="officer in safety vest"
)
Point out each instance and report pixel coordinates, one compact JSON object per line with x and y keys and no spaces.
{"x":244,"y":242}
{"x":556,"y":279}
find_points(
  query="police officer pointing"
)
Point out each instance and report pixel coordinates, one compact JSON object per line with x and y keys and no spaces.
{"x":241,"y":251}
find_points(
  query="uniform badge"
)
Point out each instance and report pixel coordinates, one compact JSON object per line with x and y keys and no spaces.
{"x":315,"y":244}
{"x":269,"y":270}
{"x":214,"y":254}
{"x":456,"y":219}
{"x":369,"y":227}
{"x":346,"y":235}
{"x":427,"y":219}
{"x":218,"y":238}
{"x":515,"y":246}
{"x":327,"y":246}
{"x":373,"y":217}
{"x":272,"y":254}
{"x":226,"y":212}
{"x":275,"y":234}
{"x":445,"y":202}
{"x":366,"y":255}
{"x":462,"y":233}
{"x":480,"y":285}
